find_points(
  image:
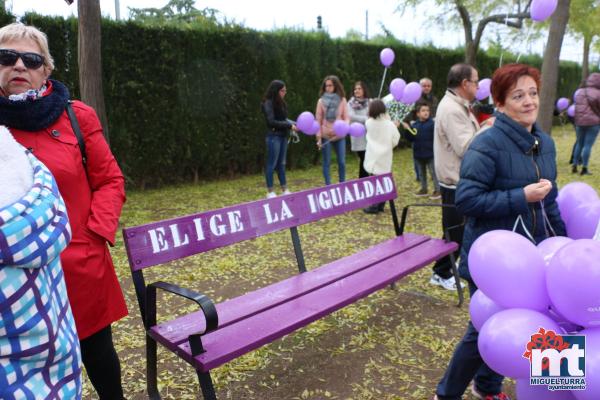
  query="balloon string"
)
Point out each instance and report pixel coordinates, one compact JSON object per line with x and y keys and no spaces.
{"x":382,"y":80}
{"x":526,"y":42}
{"x":514,"y":229}
{"x":505,"y":24}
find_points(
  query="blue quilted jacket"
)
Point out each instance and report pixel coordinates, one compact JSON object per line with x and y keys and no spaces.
{"x":499,"y":163}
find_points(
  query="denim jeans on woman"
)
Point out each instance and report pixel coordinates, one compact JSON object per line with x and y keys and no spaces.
{"x":340,"y":151}
{"x":466,"y":365}
{"x":586,"y":136}
{"x":276,"y":154}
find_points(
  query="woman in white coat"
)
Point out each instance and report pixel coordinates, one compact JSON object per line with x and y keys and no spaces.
{"x":382,"y":137}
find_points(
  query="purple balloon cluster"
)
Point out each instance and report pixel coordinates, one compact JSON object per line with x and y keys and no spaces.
{"x":483,"y":91}
{"x":405,"y":93}
{"x":307,"y":123}
{"x":552,"y":286}
{"x":562,"y":104}
{"x":542,"y":9}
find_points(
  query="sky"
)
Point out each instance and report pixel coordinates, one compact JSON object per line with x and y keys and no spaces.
{"x":338,"y":17}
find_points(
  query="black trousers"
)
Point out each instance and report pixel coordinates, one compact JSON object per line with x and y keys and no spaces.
{"x":102,"y":364}
{"x":450,"y":218}
{"x":361,"y":169}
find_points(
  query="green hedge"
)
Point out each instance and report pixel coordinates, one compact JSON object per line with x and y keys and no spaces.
{"x":184,"y":104}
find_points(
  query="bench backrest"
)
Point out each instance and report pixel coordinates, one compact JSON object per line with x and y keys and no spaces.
{"x":159,"y":242}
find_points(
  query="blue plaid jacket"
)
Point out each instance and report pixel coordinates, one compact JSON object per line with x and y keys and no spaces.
{"x":39,"y":349}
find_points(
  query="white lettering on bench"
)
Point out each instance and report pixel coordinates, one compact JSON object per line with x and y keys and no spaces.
{"x":284,"y":213}
{"x":219,"y":229}
{"x":199,"y":230}
{"x":388,"y":184}
{"x":235,"y":221}
{"x":176,"y":239}
{"x":357,"y":193}
{"x":331,"y":198}
{"x":157,"y":238}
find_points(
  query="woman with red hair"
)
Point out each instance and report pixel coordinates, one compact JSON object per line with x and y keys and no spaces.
{"x":509,"y":171}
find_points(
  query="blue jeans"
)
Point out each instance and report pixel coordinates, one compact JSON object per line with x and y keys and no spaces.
{"x":586,"y":136}
{"x":340,"y":151}
{"x":276,"y":153}
{"x":424,"y":164}
{"x":466,"y":364}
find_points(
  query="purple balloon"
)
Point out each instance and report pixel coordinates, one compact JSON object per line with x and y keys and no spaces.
{"x":562,"y":104}
{"x":357,"y":129}
{"x":509,"y":269}
{"x":562,"y":321}
{"x":551,"y":245}
{"x":571,"y":110}
{"x":387,"y":57}
{"x":583,"y":221}
{"x":592,"y":366}
{"x":542,"y":9}
{"x":573,"y":281}
{"x":527,"y":392}
{"x":412,"y":93}
{"x":573,"y":195}
{"x":397,"y":88}
{"x":314,"y":128}
{"x":482,"y":308}
{"x":340,"y":128}
{"x":504,"y":337}
{"x":304,"y":122}
{"x":483,"y":91}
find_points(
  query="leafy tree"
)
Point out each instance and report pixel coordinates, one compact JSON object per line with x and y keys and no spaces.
{"x":585,"y":24}
{"x":354,"y":35}
{"x":176,"y":12}
{"x":550,"y":65}
{"x":475,"y":15}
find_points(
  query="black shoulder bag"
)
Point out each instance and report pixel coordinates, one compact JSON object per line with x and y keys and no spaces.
{"x":77,"y":131}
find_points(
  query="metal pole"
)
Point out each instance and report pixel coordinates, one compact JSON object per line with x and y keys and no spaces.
{"x":117,"y":10}
{"x":366,"y":24}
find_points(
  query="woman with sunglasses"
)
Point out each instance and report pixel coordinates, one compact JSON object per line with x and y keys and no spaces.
{"x":332,"y":105}
{"x":33,"y":107}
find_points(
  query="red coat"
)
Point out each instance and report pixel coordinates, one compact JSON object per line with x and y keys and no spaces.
{"x":94,"y":204}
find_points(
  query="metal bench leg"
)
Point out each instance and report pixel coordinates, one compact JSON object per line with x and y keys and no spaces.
{"x":151,"y":373}
{"x":208,"y":391}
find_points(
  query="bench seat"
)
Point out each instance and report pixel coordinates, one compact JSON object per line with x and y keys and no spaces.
{"x":256,"y":318}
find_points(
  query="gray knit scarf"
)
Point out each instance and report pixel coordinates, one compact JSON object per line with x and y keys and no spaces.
{"x":331,"y":102}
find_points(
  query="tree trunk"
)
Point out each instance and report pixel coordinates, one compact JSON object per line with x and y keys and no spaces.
{"x":558,"y":25}
{"x":470,"y":53}
{"x":585,"y":65}
{"x":90,"y":60}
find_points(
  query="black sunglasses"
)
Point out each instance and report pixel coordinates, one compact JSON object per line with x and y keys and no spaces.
{"x":30,"y":60}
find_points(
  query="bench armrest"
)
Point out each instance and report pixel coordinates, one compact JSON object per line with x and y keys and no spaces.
{"x":405,"y":214}
{"x":446,"y":236}
{"x":206,"y":304}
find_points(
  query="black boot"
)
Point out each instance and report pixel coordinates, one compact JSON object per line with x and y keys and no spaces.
{"x":574,"y":169}
{"x":374,"y":209}
{"x":584,"y":171}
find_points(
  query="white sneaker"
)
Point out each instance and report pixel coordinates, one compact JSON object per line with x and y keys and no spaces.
{"x":270,"y":195}
{"x":448,"y":284}
{"x":286,"y":191}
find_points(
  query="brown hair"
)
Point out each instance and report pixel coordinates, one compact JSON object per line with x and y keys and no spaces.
{"x":366,"y":93}
{"x":506,"y":77}
{"x":376,"y":108}
{"x":337,"y":86}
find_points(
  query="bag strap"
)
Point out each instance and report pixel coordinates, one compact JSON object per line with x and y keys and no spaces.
{"x":77,"y":131}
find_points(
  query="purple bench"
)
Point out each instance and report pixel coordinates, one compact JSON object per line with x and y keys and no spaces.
{"x":218,"y":333}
